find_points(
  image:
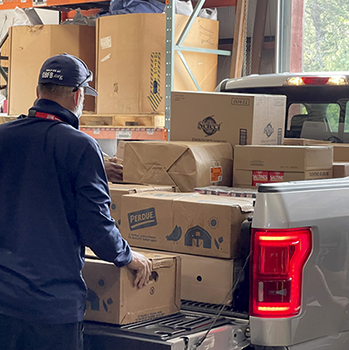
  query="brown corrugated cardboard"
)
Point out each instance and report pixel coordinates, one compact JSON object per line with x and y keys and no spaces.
{"x":254,"y":165}
{"x":118,"y":190}
{"x":183,"y":164}
{"x":252,"y":178}
{"x":30,"y":46}
{"x":112,"y":297}
{"x":304,"y":142}
{"x":131,"y":51}
{"x":120,"y":150}
{"x":187,"y":223}
{"x":340,"y":152}
{"x":243,"y":119}
{"x":203,"y":279}
{"x":340,"y":169}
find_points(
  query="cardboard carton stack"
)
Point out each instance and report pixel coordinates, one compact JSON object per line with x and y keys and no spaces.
{"x":203,"y":230}
{"x":340,"y":154}
{"x":254,"y":165}
{"x":126,"y":53}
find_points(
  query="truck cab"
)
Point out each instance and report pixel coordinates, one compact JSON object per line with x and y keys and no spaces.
{"x":317,"y":103}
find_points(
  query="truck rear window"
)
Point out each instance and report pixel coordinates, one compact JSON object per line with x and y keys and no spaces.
{"x":321,"y":121}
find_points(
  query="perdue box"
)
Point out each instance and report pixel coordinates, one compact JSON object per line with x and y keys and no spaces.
{"x":241,"y":119}
{"x":112,"y":297}
{"x":187,"y":223}
{"x":118,"y":190}
{"x":205,"y":279}
{"x":183,"y":164}
{"x":131,"y":62}
{"x":254,"y":165}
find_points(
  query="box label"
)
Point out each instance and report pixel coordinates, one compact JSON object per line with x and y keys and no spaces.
{"x":240,"y":101}
{"x":142,"y":218}
{"x":259,"y":177}
{"x":216,"y":174}
{"x":276,"y":176}
{"x":209,"y":126}
{"x":155,"y":76}
{"x":106,"y":42}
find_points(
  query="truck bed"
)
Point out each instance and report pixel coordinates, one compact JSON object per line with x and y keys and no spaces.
{"x":184,"y":330}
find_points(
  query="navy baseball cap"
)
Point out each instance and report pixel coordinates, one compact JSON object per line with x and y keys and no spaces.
{"x":67,"y":70}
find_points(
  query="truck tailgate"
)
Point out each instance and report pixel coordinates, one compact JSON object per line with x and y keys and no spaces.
{"x":178,"y":332}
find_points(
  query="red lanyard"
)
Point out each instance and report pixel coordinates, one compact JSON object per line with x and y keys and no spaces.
{"x":47,"y":116}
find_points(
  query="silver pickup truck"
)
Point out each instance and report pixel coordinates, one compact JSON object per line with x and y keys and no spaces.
{"x":317,"y":103}
{"x":292,"y":283}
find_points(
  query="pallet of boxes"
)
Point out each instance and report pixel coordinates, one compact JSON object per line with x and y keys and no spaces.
{"x":126,"y":54}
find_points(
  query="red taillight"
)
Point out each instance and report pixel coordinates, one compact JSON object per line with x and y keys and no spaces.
{"x":315,"y":80}
{"x":278,"y":258}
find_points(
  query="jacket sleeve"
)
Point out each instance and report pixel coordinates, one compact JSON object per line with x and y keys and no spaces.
{"x":96,"y":226}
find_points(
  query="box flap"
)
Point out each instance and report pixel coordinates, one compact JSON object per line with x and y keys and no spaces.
{"x":245,"y":204}
{"x":159,"y":263}
{"x":157,"y":173}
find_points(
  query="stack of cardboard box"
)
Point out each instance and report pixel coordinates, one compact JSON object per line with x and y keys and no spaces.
{"x":126,"y":54}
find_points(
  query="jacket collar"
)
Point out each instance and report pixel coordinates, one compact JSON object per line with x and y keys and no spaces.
{"x":48,"y":106}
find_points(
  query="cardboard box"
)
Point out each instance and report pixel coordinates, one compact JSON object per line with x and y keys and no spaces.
{"x":120,"y":150}
{"x":241,"y":119}
{"x":203,"y":279}
{"x":118,"y":190}
{"x":254,"y":165}
{"x":341,"y":169}
{"x":340,"y":152}
{"x":227,"y":191}
{"x":131,"y":57}
{"x":183,"y":164}
{"x":30,"y":46}
{"x":112,"y":297}
{"x":305,"y":142}
{"x":188,"y":223}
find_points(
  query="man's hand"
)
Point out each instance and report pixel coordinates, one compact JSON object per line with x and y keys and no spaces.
{"x":143,"y":267}
{"x":113,"y":170}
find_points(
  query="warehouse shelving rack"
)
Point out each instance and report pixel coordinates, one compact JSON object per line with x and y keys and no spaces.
{"x":141,"y":133}
{"x":172,"y":47}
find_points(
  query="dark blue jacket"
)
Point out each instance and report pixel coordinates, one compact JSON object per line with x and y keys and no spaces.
{"x":54,"y":201}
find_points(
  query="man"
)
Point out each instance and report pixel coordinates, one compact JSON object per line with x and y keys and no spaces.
{"x":54,"y":201}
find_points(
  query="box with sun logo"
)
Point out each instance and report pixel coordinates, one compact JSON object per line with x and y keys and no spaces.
{"x":112,"y":297}
{"x":187,"y":223}
{"x":240,"y":119}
